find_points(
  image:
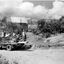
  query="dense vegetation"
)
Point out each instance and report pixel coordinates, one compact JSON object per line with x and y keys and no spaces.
{"x":51,"y":27}
{"x":45,"y":27}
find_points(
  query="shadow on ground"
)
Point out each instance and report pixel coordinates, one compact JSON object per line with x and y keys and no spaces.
{"x":19,"y":49}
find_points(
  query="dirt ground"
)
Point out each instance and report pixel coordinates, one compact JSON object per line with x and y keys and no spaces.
{"x":45,"y":56}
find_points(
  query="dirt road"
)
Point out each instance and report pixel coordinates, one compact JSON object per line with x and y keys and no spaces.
{"x":48,"y":56}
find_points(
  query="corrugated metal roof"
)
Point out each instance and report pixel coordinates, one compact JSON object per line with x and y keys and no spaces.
{"x":18,"y":20}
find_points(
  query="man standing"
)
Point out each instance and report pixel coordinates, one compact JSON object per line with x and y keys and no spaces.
{"x":24,"y":35}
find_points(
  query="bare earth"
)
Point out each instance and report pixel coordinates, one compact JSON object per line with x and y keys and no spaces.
{"x":45,"y":56}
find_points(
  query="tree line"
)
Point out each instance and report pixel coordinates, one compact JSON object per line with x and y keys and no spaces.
{"x":51,"y":27}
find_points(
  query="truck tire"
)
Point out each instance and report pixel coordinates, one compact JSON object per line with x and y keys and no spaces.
{"x":9,"y":47}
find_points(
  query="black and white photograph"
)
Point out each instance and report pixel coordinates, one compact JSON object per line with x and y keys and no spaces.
{"x":31,"y":31}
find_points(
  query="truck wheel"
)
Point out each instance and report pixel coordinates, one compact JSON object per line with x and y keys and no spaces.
{"x":9,"y":47}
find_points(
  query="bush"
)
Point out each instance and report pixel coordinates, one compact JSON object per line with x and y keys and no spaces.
{"x":51,"y":27}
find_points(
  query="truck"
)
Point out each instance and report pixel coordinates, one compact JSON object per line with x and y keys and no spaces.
{"x":11,"y":42}
{"x":11,"y":34}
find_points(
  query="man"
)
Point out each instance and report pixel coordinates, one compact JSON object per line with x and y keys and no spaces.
{"x":24,"y":35}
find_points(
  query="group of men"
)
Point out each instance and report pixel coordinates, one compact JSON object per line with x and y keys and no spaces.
{"x":16,"y":36}
{"x":22,"y":36}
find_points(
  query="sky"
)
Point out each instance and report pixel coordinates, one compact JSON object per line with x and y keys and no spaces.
{"x":37,"y":9}
{"x":46,"y":3}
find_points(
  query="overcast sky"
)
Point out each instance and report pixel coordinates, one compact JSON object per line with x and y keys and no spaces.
{"x":46,"y":3}
{"x":32,"y":8}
